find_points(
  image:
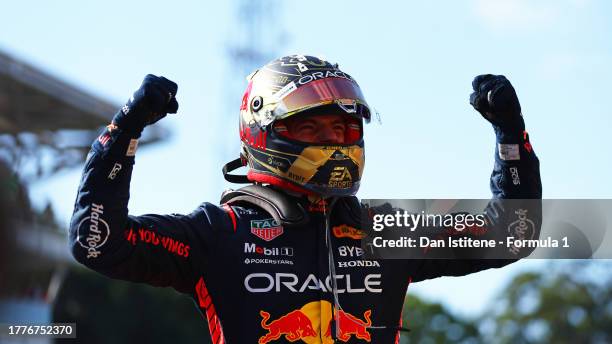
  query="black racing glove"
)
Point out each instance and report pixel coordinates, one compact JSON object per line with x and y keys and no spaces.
{"x":155,"y":98}
{"x":495,"y":99}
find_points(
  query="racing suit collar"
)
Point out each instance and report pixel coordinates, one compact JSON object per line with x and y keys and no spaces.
{"x":312,"y":203}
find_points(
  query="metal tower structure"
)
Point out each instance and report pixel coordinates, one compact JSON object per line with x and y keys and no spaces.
{"x":256,"y":37}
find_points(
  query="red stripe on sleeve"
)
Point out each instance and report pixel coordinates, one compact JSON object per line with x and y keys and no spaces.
{"x":231,"y":214}
{"x":205,"y":302}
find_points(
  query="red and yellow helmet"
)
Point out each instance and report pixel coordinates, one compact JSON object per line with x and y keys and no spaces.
{"x":292,"y":86}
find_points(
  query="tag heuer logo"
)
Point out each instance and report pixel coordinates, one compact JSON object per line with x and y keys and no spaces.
{"x":267,"y":229}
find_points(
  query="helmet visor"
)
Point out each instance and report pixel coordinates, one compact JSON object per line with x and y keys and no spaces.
{"x":309,"y":128}
{"x":341,"y":91}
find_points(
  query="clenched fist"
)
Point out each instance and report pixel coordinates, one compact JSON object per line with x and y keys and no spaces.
{"x":495,"y":99}
{"x":155,"y":98}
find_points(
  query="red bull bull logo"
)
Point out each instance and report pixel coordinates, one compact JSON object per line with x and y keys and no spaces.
{"x":312,"y":324}
{"x":293,"y":325}
{"x":349,"y":325}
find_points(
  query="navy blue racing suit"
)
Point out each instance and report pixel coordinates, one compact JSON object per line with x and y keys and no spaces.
{"x":254,"y":280}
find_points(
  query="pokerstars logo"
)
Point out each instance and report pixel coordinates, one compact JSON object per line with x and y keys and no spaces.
{"x":268,"y":251}
{"x":267,"y":229}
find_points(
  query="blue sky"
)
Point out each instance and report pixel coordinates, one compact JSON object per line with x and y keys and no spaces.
{"x":414,"y":60}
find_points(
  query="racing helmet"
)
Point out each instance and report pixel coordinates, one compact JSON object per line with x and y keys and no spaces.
{"x":286,"y":89}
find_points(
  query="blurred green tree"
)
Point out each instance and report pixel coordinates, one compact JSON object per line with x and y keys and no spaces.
{"x":433,"y":323}
{"x":568,"y":302}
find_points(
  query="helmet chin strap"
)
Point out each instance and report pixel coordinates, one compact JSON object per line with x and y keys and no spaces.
{"x":234,"y":178}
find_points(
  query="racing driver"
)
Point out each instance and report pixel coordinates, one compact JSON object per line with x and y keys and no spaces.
{"x":280,"y":260}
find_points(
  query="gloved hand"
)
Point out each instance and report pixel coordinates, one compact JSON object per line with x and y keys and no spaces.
{"x":155,"y":98}
{"x":495,"y":99}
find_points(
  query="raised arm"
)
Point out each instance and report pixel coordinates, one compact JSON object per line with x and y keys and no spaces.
{"x":516,"y":176}
{"x":157,"y":249}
